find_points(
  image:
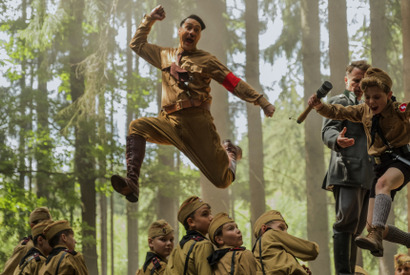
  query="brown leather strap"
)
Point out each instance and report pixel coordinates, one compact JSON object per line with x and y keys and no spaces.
{"x":186,"y":103}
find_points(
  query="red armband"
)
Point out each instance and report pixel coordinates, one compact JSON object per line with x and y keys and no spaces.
{"x":230,"y":82}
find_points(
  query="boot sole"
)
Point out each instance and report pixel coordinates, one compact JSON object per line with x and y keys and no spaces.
{"x":368,"y":246}
{"x":119,"y":185}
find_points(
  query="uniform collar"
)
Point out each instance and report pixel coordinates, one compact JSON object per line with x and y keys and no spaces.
{"x":150,"y":258}
{"x":350,"y":95}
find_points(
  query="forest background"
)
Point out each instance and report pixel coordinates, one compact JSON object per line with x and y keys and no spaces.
{"x":70,"y":85}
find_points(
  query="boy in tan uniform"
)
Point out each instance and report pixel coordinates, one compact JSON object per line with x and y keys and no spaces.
{"x":387,"y":127}
{"x":276,"y":251}
{"x":190,"y":255}
{"x":161,"y":243}
{"x":36,"y":216}
{"x":185,"y":120}
{"x":35,"y":258}
{"x":230,"y":257}
{"x":62,"y":259}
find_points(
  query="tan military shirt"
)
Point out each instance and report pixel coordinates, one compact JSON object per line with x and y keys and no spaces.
{"x":198,"y":263}
{"x":158,"y":263}
{"x":18,"y":253}
{"x":70,"y":264}
{"x":244,"y":263}
{"x":201,"y":65}
{"x":31,"y":265}
{"x":280,"y":250}
{"x":394,"y":122}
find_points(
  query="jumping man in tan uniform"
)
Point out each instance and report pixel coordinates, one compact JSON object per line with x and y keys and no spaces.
{"x":185,"y":120}
{"x":190,"y":255}
{"x":36,"y":216}
{"x":161,"y":244}
{"x":62,"y":259}
{"x":230,"y":257}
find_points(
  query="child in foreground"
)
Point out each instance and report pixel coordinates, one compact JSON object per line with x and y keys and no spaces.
{"x":230,"y":257}
{"x":161,"y":243}
{"x":190,"y":255}
{"x":276,"y":251}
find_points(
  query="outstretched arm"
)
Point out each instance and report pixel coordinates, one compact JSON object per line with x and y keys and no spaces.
{"x":139,"y":44}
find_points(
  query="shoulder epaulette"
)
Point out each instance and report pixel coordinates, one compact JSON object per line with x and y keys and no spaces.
{"x":26,"y":240}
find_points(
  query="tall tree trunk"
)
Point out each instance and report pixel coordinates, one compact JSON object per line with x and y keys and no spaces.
{"x":44,"y":145}
{"x":43,"y":152}
{"x":132,"y":208}
{"x":379,"y":31}
{"x":339,"y":54}
{"x":317,"y":222}
{"x":167,"y":195}
{"x":83,"y":157}
{"x":255,"y":140}
{"x":102,"y":160}
{"x":338,"y":44}
{"x":104,"y":233}
{"x":212,"y":13}
{"x":405,"y":25}
{"x":22,"y":110}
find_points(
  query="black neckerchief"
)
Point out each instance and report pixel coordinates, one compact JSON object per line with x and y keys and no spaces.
{"x":57,"y":250}
{"x":154,"y":258}
{"x":217,"y":255}
{"x":32,"y":251}
{"x":191,"y":235}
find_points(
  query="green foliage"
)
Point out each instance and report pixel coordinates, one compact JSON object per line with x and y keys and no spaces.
{"x":289,"y":40}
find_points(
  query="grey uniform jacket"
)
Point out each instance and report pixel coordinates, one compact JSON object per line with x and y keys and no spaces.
{"x":350,"y":166}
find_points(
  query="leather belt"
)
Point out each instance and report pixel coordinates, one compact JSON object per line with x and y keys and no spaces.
{"x":403,"y":150}
{"x":186,"y":103}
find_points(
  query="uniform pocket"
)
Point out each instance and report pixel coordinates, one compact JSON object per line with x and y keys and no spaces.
{"x":352,"y":170}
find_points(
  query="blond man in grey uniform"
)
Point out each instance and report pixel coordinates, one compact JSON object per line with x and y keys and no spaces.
{"x":185,"y":120}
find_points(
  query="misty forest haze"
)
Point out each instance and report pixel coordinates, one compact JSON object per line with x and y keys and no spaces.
{"x":70,"y":86}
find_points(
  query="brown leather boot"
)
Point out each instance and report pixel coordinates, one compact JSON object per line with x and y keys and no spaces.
{"x":234,"y":154}
{"x":373,"y":241}
{"x":135,"y":152}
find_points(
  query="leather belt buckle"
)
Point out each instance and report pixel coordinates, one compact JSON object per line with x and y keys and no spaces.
{"x":178,"y":105}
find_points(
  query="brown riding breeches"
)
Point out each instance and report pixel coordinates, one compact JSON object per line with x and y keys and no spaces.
{"x":193,"y":132}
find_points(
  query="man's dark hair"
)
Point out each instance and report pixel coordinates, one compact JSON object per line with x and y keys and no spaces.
{"x":195,"y":17}
{"x":56,"y":239}
{"x":35,"y":239}
{"x":360,"y":64}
